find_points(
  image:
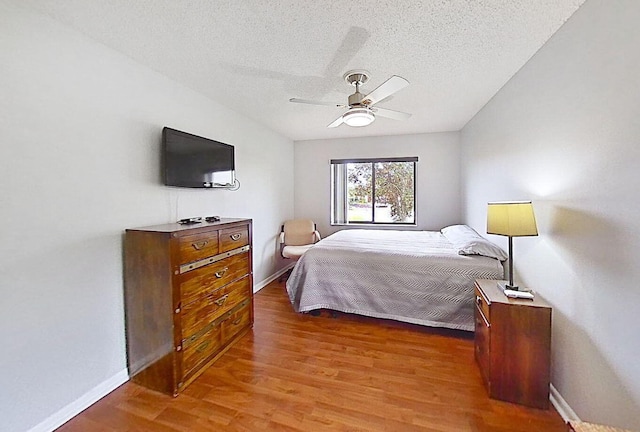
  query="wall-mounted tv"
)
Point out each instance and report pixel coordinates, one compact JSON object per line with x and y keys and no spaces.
{"x":196,"y":162}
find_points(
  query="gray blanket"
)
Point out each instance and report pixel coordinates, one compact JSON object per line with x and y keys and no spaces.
{"x":412,"y":276}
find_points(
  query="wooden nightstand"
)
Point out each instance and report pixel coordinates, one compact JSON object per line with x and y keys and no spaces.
{"x":513,"y":345}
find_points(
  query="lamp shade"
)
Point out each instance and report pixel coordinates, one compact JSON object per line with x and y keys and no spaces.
{"x":511,"y":218}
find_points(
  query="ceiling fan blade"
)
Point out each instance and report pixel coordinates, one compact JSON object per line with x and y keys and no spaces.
{"x":386,"y":89}
{"x":337,"y":122}
{"x":392,"y":114}
{"x":311,"y":102}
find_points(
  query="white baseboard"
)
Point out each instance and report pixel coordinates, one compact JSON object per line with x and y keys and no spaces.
{"x":257,"y":287}
{"x":561,"y":405}
{"x":59,"y":418}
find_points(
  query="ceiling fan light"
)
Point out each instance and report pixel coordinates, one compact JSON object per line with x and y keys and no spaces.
{"x":358,"y":117}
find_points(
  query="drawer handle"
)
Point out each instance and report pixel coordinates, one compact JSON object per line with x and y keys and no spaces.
{"x":221,"y":300}
{"x":203,"y":346}
{"x":221,"y":273}
{"x":236,"y":322}
{"x":478,"y":300}
{"x":200,"y":245}
{"x":235,"y":237}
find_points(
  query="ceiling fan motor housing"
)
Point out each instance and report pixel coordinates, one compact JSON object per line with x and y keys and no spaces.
{"x":356,"y":78}
{"x":355,"y":99}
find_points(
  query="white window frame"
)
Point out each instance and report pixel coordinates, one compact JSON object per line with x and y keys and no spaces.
{"x":340,"y":200}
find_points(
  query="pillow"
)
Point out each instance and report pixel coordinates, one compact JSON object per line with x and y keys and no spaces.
{"x":468,"y":242}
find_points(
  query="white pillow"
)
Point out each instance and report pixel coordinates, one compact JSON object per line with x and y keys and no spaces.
{"x":468,"y":242}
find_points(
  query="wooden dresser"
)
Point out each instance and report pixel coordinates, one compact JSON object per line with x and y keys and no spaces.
{"x":513,"y":345}
{"x":188,"y":297}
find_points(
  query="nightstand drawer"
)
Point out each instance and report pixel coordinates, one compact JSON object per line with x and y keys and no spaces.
{"x":482,"y":304}
{"x":482,"y":345}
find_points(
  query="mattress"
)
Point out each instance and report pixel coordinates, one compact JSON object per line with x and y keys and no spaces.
{"x":412,"y":276}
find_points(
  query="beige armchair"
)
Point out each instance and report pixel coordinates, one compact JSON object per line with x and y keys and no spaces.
{"x":296,"y":237}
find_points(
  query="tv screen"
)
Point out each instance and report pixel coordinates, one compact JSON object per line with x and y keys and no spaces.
{"x":196,"y":162}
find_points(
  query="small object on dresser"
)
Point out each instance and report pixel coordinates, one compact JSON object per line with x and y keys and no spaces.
{"x":212,"y":218}
{"x":518,"y":294}
{"x":188,"y":221}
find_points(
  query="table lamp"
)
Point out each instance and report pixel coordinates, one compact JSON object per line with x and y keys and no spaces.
{"x":512,"y":219}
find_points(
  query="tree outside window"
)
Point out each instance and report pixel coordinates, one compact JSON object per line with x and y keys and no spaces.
{"x":373,"y":191}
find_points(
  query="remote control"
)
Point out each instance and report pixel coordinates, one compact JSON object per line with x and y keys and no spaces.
{"x":212,"y":218}
{"x":518,"y":294}
{"x":187,"y":221}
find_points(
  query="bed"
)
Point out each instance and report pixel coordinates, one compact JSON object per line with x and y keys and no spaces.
{"x":419,"y":277}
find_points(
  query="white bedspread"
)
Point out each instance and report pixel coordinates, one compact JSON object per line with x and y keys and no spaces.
{"x":411,"y":276}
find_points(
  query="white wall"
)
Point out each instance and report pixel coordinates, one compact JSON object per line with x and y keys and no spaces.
{"x":437,"y":182}
{"x":80,"y":129}
{"x":565,"y":132}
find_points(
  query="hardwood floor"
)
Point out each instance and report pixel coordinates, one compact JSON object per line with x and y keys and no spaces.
{"x":296,"y":372}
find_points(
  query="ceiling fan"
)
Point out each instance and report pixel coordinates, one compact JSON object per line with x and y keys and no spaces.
{"x":361,"y":110}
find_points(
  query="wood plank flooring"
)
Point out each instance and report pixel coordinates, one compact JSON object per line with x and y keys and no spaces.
{"x":297,"y":372}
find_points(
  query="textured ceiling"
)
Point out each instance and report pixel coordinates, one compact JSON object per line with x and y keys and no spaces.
{"x":253,"y":56}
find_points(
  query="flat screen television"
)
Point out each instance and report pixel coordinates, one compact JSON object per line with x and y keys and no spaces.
{"x":196,"y":162}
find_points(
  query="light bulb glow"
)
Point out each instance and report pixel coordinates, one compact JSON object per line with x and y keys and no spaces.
{"x":358,"y":117}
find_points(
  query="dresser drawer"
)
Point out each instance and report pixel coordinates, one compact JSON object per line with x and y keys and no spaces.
{"x":237,"y":321}
{"x":232,"y":238}
{"x":199,"y":313}
{"x":200,"y":347}
{"x":198,"y":246}
{"x":204,"y":280}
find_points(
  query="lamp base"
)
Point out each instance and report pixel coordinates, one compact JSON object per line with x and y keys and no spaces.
{"x":504,"y":285}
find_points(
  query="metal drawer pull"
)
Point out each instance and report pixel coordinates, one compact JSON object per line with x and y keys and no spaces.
{"x":221,"y":300}
{"x":236,"y":322}
{"x":221,"y":272}
{"x":203,"y":346}
{"x":200,"y":245}
{"x":478,"y":300}
{"x":235,"y":237}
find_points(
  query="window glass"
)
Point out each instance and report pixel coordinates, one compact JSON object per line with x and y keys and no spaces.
{"x":373,"y":191}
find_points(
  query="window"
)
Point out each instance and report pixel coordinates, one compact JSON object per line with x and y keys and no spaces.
{"x":373,"y":191}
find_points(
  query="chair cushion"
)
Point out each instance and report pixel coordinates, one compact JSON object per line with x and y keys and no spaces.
{"x":295,"y":252}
